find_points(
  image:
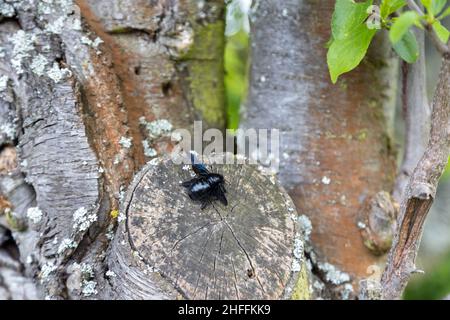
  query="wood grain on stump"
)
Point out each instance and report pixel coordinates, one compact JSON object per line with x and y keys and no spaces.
{"x":241,"y":251}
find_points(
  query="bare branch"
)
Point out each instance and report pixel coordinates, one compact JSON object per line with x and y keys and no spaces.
{"x":420,"y":192}
{"x":414,"y":6}
{"x":417,"y":114}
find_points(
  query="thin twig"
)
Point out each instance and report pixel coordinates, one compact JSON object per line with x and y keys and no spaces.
{"x":414,"y":6}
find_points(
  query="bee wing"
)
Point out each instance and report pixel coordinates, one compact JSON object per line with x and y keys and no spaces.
{"x":221,"y":197}
{"x":189,"y":183}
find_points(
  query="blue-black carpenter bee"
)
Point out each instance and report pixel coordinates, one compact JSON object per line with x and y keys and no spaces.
{"x":206,"y":186}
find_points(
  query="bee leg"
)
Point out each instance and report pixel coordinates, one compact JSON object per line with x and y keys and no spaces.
{"x":204,"y":205}
{"x":221,"y":197}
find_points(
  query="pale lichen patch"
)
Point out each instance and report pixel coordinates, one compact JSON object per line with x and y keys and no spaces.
{"x":38,"y":64}
{"x":34,"y":214}
{"x":87,"y":274}
{"x":176,"y":136}
{"x":148,"y":151}
{"x":110,"y":232}
{"x":156,"y":128}
{"x":89,"y":288}
{"x":126,"y":142}
{"x":326,"y":180}
{"x":347,"y":291}
{"x":298,"y":253}
{"x":56,"y":26}
{"x":66,"y":244}
{"x":6,"y":10}
{"x":23,"y":44}
{"x":305,"y":226}
{"x":57,"y":74}
{"x":121,"y":217}
{"x":110,"y":274}
{"x":3,"y":83}
{"x":9,"y":130}
{"x":94,"y":44}
{"x":82,"y":219}
{"x":97,"y":42}
{"x":361,"y":225}
{"x":47,"y":269}
{"x":332,"y":274}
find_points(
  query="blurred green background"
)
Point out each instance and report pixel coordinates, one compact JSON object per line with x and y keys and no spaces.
{"x":434,"y":255}
{"x":236,"y":58}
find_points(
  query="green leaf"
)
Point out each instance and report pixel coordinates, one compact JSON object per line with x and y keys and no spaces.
{"x":348,"y":15}
{"x":441,"y":31}
{"x":434,"y":6}
{"x":390,"y":6}
{"x":345,"y":54}
{"x":407,"y":48}
{"x":444,"y":14}
{"x":426,"y":4}
{"x":437,"y":6}
{"x":350,"y":36}
{"x":402,"y":24}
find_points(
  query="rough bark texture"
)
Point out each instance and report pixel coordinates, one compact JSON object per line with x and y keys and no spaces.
{"x":420,"y":192}
{"x":88,"y":93}
{"x":168,"y":247}
{"x":334,"y":138}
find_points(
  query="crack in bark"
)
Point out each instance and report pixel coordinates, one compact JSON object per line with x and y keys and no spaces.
{"x":190,"y":234}
{"x":235,"y":278}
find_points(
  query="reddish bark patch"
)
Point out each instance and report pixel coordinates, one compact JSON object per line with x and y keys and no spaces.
{"x":8,"y":159}
{"x":112,"y":108}
{"x":351,"y":148}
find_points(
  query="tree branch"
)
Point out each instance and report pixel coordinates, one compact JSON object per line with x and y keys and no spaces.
{"x":420,"y":192}
{"x":417,"y":114}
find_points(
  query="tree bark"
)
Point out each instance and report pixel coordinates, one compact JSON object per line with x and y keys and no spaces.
{"x":169,"y":248}
{"x":417,"y":114}
{"x":420,"y":192}
{"x":89,"y":93}
{"x":91,"y":90}
{"x":337,"y":153}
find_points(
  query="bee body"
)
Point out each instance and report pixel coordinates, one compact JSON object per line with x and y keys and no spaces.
{"x":206,"y":186}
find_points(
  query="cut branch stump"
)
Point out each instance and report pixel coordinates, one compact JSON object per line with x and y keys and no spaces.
{"x":168,"y":248}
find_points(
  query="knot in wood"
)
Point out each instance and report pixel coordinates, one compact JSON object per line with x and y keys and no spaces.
{"x":378,"y":226}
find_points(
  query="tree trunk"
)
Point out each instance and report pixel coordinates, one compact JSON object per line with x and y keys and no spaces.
{"x":337,"y":161}
{"x":89,"y":92}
